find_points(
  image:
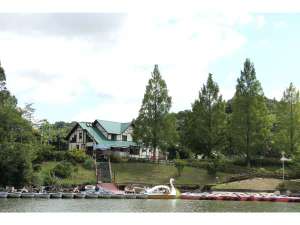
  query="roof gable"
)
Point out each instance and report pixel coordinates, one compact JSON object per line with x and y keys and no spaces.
{"x":113,"y":127}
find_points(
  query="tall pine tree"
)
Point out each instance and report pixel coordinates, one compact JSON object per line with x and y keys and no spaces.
{"x":287,"y":130}
{"x":250,"y":121}
{"x":208,"y":120}
{"x":150,"y":126}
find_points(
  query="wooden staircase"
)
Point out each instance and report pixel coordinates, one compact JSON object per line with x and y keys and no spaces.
{"x":103,"y":171}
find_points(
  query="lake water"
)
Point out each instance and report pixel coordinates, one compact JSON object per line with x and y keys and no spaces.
{"x":141,"y":205}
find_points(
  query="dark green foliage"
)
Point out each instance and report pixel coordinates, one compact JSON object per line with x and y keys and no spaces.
{"x":76,"y":155}
{"x":250,"y":121}
{"x":207,"y":122}
{"x":15,"y":164}
{"x":117,"y":158}
{"x":287,"y":129}
{"x":152,"y":127}
{"x":48,"y":153}
{"x":63,"y":170}
{"x":89,"y":164}
{"x":50,"y":180}
{"x":179,"y":164}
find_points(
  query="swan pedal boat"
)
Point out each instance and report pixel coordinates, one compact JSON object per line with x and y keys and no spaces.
{"x":162,"y":191}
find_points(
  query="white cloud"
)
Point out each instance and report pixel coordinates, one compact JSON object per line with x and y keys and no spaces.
{"x":260,"y":21}
{"x":280,"y":24}
{"x":183,"y":46}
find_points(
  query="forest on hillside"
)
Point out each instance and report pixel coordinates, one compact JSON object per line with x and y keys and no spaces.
{"x":248,"y":128}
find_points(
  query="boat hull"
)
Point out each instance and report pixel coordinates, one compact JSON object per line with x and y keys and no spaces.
{"x":68,"y":195}
{"x":3,"y":194}
{"x":91,"y":195}
{"x":55,"y":195}
{"x":27,"y":195}
{"x":161,"y":196}
{"x":14,"y":195}
{"x":42,"y":195}
{"x":79,"y":195}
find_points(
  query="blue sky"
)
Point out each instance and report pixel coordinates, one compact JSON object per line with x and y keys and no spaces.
{"x":94,"y":65}
{"x":274,"y":49}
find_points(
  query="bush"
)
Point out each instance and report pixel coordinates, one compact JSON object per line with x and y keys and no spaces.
{"x":51,"y":180}
{"x":36,"y":180}
{"x":76,"y":156}
{"x":141,"y":160}
{"x":117,"y":158}
{"x":63,"y":170}
{"x":211,"y":169}
{"x":48,"y":153}
{"x":179,"y":164}
{"x":37,"y":167}
{"x":261,"y":162}
{"x":89,"y":164}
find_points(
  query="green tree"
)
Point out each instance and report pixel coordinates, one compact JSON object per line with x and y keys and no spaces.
{"x":151,"y":126}
{"x":251,"y":122}
{"x":17,"y":141}
{"x":287,"y":130}
{"x":208,"y":120}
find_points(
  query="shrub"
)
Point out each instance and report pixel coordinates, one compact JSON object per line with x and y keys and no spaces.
{"x":211,"y":169}
{"x":37,"y":167}
{"x":76,"y":155}
{"x":51,"y":180}
{"x":63,"y":170}
{"x":117,"y":158}
{"x":36,"y":180}
{"x":179,"y":164}
{"x":59,"y":155}
{"x":89,"y":164}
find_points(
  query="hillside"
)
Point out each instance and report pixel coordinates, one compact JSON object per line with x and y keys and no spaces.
{"x":147,"y":173}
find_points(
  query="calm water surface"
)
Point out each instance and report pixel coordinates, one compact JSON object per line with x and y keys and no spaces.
{"x":140,"y":205}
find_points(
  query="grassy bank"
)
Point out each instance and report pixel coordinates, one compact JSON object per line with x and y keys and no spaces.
{"x":257,"y":184}
{"x":147,"y":173}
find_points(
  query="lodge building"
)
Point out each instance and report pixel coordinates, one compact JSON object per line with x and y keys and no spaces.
{"x":107,"y":136}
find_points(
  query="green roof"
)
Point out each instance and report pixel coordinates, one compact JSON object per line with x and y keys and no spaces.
{"x":101,"y":139}
{"x":113,"y":127}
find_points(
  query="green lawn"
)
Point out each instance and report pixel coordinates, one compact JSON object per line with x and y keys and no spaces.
{"x":82,"y":176}
{"x":253,"y":184}
{"x":160,"y":173}
{"x":138,"y":173}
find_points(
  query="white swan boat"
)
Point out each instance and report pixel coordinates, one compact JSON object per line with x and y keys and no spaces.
{"x":162,"y":191}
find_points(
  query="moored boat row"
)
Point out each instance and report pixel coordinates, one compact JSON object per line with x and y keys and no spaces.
{"x":71,"y":195}
{"x":239,"y":196}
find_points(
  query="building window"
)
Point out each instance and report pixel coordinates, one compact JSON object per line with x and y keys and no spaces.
{"x":124,"y":138}
{"x":88,"y":138}
{"x":80,"y":136}
{"x":113,"y":137}
{"x":73,"y":140}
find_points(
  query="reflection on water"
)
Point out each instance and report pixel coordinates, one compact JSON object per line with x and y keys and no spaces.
{"x":141,"y":205}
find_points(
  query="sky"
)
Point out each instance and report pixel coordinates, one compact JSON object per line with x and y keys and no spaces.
{"x":87,"y":66}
